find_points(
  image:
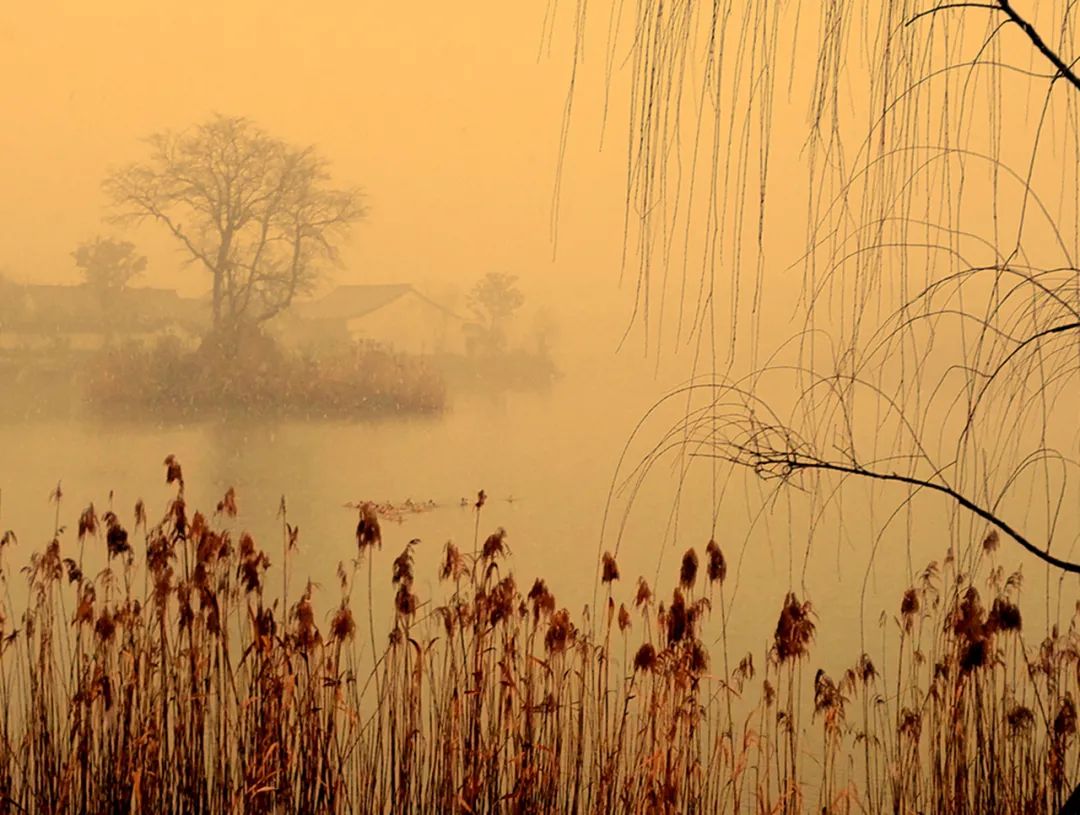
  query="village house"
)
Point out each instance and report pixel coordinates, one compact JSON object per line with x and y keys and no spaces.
{"x":395,"y":315}
{"x":82,"y":318}
{"x":43,"y":318}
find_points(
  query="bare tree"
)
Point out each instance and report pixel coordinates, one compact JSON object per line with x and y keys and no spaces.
{"x":256,"y":213}
{"x":937,"y":350}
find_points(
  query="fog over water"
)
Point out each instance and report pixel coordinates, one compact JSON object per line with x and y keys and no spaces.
{"x":539,"y":406}
{"x":451,"y":124}
{"x":548,"y":463}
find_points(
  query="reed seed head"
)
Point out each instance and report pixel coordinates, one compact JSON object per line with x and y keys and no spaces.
{"x":717,"y":566}
{"x":974,"y":655}
{"x":644,"y":593}
{"x":699,"y":658}
{"x":543,"y":602}
{"x":227,"y":505}
{"x":502,"y":600}
{"x":403,"y":567}
{"x":967,"y":619}
{"x":74,"y":573}
{"x":679,"y":622}
{"x":609,"y":570}
{"x":453,"y":565}
{"x":910,"y":724}
{"x":645,"y":658}
{"x":105,"y":626}
{"x":495,"y":545}
{"x":1020,"y":721}
{"x":1004,"y":616}
{"x":560,"y":633}
{"x":88,"y":523}
{"x":173,"y":472}
{"x":368,"y":531}
{"x":827,"y":696}
{"x":116,"y":537}
{"x":688,"y":569}
{"x":84,"y":613}
{"x":794,"y":630}
{"x":909,"y":607}
{"x":865,"y":670}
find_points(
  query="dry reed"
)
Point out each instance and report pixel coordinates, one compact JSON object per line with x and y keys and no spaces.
{"x":171,"y":682}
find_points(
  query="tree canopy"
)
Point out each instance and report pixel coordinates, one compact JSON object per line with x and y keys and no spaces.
{"x":255,"y":213}
{"x":108,"y":264}
{"x":493,"y":301}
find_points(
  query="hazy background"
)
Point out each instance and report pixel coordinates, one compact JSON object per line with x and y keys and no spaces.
{"x":451,"y":123}
{"x":450,"y":119}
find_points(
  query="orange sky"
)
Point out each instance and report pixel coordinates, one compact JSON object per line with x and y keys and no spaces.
{"x":448,"y":116}
{"x":448,"y":120}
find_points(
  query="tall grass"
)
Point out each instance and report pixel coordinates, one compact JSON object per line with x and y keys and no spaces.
{"x":177,"y":680}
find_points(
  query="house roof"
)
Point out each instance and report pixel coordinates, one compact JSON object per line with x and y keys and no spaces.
{"x":80,"y":308}
{"x":350,"y":302}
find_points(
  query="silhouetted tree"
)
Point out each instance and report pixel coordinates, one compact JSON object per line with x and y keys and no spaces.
{"x":257,"y":214}
{"x":493,"y":301}
{"x":108,"y":265}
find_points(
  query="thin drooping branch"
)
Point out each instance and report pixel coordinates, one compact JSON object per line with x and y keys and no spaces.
{"x":949,"y":6}
{"x":787,"y":463}
{"x":925,"y":331}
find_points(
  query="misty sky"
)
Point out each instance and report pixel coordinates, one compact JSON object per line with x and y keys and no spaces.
{"x":449,"y":117}
{"x":450,"y":122}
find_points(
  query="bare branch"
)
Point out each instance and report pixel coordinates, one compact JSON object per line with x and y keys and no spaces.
{"x":256,"y":212}
{"x":788,"y":463}
{"x":1039,"y":43}
{"x":949,"y":6}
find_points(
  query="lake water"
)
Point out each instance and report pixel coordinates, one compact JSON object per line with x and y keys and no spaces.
{"x":546,"y":461}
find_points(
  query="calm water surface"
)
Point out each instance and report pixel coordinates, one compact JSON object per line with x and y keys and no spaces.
{"x":546,"y":461}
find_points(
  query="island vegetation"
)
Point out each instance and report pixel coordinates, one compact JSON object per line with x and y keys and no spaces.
{"x":259,"y":221}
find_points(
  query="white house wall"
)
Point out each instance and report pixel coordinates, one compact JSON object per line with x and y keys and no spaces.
{"x":410,"y":324}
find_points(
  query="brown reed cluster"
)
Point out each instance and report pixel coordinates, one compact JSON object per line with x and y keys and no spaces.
{"x":352,"y":380}
{"x":151,"y":669}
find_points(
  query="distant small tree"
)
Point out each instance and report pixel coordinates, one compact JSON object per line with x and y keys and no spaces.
{"x":108,"y":265}
{"x":256,"y":213}
{"x":493,"y":301}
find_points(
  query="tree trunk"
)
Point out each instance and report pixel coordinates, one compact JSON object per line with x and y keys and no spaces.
{"x":216,"y":322}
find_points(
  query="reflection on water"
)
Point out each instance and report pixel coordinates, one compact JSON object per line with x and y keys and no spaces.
{"x":546,"y":461}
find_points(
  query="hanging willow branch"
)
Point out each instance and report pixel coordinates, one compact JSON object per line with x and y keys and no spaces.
{"x":784,"y":465}
{"x":940,"y":296}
